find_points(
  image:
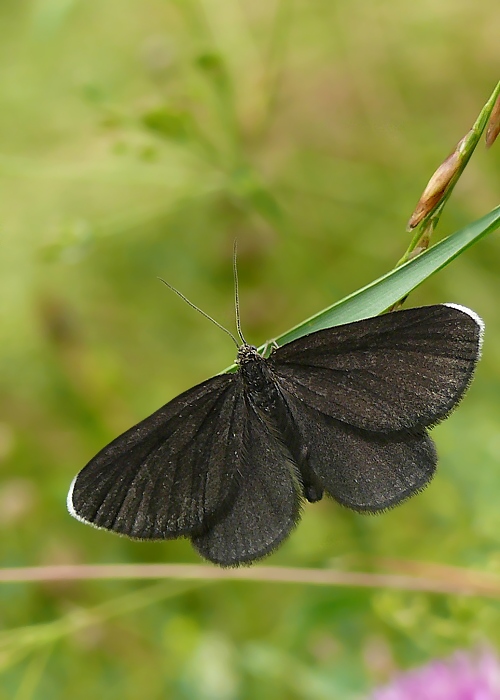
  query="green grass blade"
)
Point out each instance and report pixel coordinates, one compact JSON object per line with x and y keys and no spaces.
{"x":387,"y":290}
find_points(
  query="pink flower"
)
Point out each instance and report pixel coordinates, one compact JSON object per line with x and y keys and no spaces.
{"x":463,"y":676}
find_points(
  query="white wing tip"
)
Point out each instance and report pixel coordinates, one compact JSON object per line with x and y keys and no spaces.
{"x":71,"y":507}
{"x":475,"y":317}
{"x":467,"y":311}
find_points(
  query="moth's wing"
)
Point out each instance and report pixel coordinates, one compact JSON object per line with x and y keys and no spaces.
{"x":267,"y":504}
{"x":402,"y":370}
{"x":362,"y":470}
{"x":171,"y":474}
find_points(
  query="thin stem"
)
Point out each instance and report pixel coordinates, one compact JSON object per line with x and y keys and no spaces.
{"x":465,"y":149}
{"x":429,"y":579}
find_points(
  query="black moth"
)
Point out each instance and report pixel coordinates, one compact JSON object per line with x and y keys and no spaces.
{"x":343,"y":410}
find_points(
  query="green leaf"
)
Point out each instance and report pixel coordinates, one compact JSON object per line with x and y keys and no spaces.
{"x":168,"y":123}
{"x":387,"y":290}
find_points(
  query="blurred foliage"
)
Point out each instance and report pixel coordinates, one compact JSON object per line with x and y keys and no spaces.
{"x":140,"y":139}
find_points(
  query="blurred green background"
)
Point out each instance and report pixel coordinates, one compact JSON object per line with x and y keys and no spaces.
{"x":139,"y":139}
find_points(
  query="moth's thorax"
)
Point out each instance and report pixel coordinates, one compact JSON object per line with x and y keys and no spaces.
{"x":253,"y":369}
{"x":257,"y":378}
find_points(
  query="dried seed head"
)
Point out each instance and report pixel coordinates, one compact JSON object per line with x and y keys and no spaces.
{"x":437,"y":186}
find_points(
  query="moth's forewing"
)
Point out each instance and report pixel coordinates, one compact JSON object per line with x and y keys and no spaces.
{"x":173,"y":472}
{"x":403,"y":370}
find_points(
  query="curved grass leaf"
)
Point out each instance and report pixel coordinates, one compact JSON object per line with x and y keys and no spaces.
{"x":387,"y":290}
{"x":379,"y":295}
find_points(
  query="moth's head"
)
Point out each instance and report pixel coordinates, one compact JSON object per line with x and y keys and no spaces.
{"x":247,"y":353}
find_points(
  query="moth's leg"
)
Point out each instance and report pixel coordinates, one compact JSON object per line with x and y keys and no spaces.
{"x":269,"y":344}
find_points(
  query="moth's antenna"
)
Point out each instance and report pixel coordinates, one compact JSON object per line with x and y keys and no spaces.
{"x":197,"y":308}
{"x":237,"y":297}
